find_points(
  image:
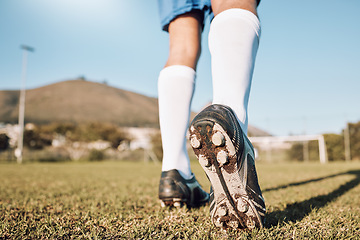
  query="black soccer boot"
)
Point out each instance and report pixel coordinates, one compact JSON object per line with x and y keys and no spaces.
{"x":227,"y":156}
{"x":175,"y":191}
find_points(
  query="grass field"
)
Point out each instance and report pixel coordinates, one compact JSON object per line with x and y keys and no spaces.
{"x":118,"y":200}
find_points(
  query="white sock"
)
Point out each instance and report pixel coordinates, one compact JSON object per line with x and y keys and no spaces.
{"x":233,"y":43}
{"x":175,"y":91}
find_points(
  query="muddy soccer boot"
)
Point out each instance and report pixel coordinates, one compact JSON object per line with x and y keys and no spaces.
{"x":227,"y":156}
{"x":175,"y":191}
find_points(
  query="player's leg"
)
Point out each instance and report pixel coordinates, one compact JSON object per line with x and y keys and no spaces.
{"x":218,"y":133}
{"x":219,"y":6}
{"x":175,"y":90}
{"x":184,"y":40}
{"x":233,"y":43}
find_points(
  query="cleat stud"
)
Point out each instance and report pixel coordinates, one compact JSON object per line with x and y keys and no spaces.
{"x":177,"y":204}
{"x":204,"y":161}
{"x":162,"y":203}
{"x":194,"y":141}
{"x":222,"y":157}
{"x":222,"y":211}
{"x":233,"y":224}
{"x":219,"y":223}
{"x":250,"y":224}
{"x":242,"y":206}
{"x":218,"y":139}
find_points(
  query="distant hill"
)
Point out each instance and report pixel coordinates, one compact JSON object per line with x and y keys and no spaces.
{"x":84,"y":101}
{"x":81,"y":101}
{"x":257,"y":132}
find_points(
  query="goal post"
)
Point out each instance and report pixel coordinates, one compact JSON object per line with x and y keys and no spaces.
{"x":300,"y":138}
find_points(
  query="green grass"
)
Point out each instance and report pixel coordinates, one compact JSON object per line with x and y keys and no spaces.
{"x":118,"y":200}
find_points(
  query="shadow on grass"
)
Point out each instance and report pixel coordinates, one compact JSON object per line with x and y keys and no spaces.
{"x":299,"y":210}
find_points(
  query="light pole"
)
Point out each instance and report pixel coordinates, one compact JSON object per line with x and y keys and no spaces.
{"x":19,"y":149}
{"x":347,"y":143}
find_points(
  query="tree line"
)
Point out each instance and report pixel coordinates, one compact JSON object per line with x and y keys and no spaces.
{"x":39,"y":137}
{"x":42,"y":136}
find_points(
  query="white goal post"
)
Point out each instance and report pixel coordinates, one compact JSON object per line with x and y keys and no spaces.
{"x":272,"y":139}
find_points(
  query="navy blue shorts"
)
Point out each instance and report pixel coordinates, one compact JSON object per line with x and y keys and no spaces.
{"x":170,"y":9}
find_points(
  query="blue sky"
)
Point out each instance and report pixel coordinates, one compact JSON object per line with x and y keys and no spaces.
{"x":306,"y":76}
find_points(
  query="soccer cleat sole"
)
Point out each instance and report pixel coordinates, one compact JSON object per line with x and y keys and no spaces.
{"x":179,"y":203}
{"x":232,"y":207}
{"x":175,"y":202}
